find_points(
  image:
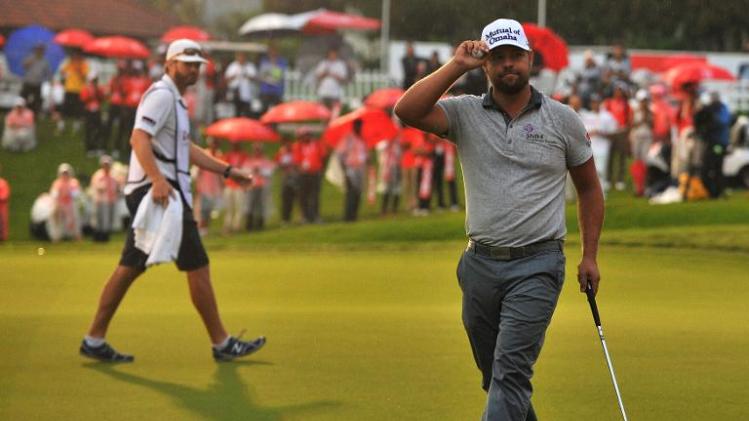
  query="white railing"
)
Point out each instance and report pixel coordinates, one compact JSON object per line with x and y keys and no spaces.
{"x":302,"y":86}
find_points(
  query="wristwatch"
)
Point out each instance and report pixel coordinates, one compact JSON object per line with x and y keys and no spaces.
{"x":227,"y":171}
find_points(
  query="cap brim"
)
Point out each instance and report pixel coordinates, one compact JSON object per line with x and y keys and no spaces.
{"x":510,"y":43}
{"x":190,"y":59}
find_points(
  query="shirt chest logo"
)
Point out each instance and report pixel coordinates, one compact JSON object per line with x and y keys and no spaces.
{"x":532,"y":134}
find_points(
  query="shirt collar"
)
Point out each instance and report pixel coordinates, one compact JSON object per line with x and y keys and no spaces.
{"x":170,"y":83}
{"x":535,"y":102}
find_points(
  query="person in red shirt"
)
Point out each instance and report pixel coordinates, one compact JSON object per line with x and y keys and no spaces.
{"x":135,"y":86}
{"x":309,"y":155}
{"x":352,"y":153}
{"x":66,"y":221}
{"x":116,"y":91}
{"x":19,"y":134}
{"x":106,"y":191}
{"x":235,"y":196}
{"x":618,"y":106}
{"x":209,"y":188}
{"x":289,"y":179}
{"x":92,"y":95}
{"x":262,"y":172}
{"x":4,"y":203}
{"x":663,"y":114}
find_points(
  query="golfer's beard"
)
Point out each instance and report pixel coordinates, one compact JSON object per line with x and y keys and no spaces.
{"x":185,"y":79}
{"x":512,"y":88}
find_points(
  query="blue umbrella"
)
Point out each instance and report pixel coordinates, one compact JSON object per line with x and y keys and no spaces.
{"x":21,"y":43}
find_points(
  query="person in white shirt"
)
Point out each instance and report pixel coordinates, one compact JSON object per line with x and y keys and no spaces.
{"x":159,"y":166}
{"x":600,"y":124}
{"x":241,"y":76}
{"x":331,"y":75}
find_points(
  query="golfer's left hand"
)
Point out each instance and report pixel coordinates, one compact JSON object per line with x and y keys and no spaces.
{"x":587,"y":272}
{"x":241,"y":177}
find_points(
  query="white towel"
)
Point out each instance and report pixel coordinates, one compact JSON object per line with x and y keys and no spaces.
{"x":158,"y":230}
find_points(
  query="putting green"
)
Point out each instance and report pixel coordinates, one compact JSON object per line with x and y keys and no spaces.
{"x":366,"y":335}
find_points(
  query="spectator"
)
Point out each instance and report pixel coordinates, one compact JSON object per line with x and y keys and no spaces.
{"x":234,"y":193}
{"x":309,"y":156}
{"x":410,"y":65}
{"x":449,"y":174}
{"x":663,"y":114}
{"x":209,"y":188}
{"x":65,"y":221}
{"x":618,"y":106}
{"x":438,"y":171}
{"x":20,"y":132}
{"x":36,"y":71}
{"x":640,"y":137}
{"x":410,"y":183}
{"x":136,"y":85}
{"x":684,"y":122}
{"x":106,"y":191}
{"x":262,"y":172}
{"x":434,"y":62}
{"x":74,"y":74}
{"x":618,"y":62}
{"x":4,"y":206}
{"x":289,"y":179}
{"x":389,"y":154}
{"x":240,"y":76}
{"x":331,"y":74}
{"x":117,"y":93}
{"x":92,"y":96}
{"x":424,"y":152}
{"x":600,"y":125}
{"x":589,"y":82}
{"x":352,"y":153}
{"x":272,"y":75}
{"x":715,"y":133}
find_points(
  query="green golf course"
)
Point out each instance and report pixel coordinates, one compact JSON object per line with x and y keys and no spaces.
{"x":363,"y":320}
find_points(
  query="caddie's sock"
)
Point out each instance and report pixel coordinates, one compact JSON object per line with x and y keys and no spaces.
{"x":94,"y":342}
{"x":222,"y":345}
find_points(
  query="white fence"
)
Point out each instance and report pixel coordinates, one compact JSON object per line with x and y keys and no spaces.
{"x":303,"y":86}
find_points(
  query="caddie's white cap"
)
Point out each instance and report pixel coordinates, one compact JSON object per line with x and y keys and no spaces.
{"x":505,"y":32}
{"x":185,"y":50}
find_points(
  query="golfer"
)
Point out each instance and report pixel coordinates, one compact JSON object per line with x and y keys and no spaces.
{"x":160,"y":162}
{"x":515,"y":146}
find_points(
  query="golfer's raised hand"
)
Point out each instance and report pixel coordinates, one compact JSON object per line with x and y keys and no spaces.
{"x":587,"y":272}
{"x":241,"y":177}
{"x":160,"y":191}
{"x":471,"y":54}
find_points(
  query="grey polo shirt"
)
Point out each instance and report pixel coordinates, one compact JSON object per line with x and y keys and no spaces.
{"x":514,"y":171}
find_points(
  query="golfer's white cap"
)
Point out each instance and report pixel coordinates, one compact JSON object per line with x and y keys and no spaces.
{"x":505,"y":32}
{"x":185,"y":50}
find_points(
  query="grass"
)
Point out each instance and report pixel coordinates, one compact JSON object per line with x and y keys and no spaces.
{"x":367,"y":335}
{"x":363,"y":319}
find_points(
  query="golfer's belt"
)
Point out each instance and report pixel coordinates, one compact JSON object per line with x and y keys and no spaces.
{"x":510,"y":253}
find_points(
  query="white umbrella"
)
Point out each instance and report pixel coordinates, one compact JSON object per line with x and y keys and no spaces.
{"x":271,"y":23}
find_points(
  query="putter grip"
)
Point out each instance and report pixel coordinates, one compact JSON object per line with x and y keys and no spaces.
{"x":593,"y":306}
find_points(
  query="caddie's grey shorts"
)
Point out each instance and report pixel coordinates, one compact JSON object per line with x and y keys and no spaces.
{"x":508,"y":302}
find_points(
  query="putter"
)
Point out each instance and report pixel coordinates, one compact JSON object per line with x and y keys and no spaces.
{"x":597,"y":319}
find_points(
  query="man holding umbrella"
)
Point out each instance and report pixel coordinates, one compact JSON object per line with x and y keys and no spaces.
{"x":159,"y":164}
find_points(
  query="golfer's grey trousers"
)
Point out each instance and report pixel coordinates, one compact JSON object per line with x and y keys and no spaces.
{"x":507,"y":306}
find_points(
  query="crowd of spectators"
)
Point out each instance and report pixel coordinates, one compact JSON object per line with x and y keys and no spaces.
{"x":665,"y":138}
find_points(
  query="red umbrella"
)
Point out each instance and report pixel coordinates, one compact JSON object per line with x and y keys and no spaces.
{"x":695,"y":72}
{"x":412,"y":136}
{"x":552,"y":47}
{"x":117,"y":47}
{"x":324,"y":21}
{"x":2,"y":40}
{"x":296,"y":112}
{"x":241,"y":129}
{"x":76,"y":38}
{"x":384,"y":98}
{"x":376,"y":126}
{"x":190,"y":32}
